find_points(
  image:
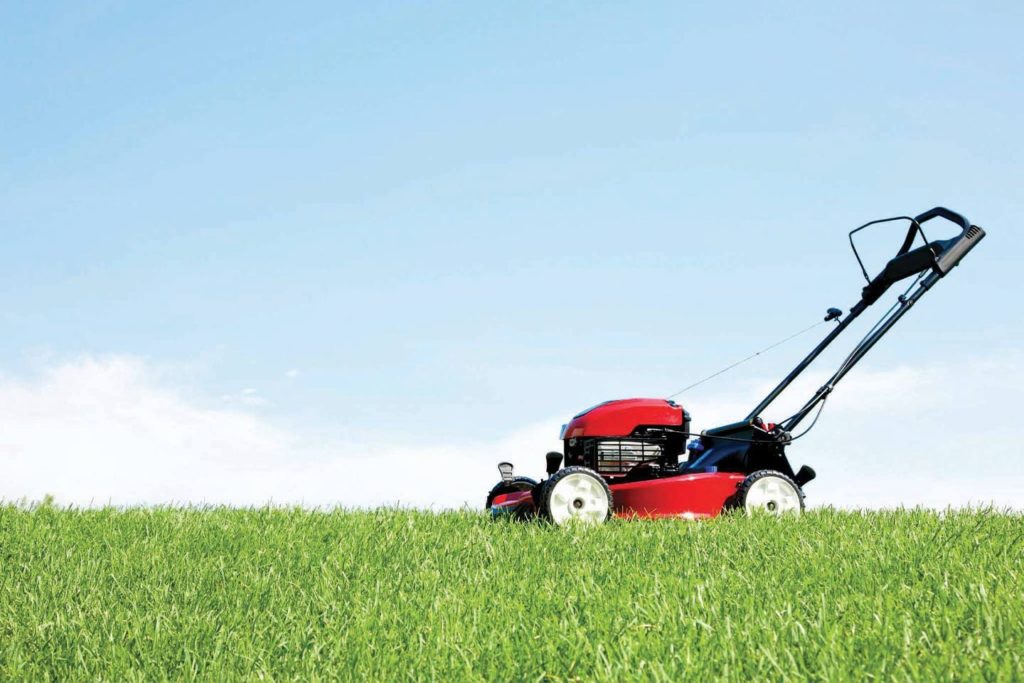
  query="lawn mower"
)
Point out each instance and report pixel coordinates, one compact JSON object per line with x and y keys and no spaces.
{"x":634,"y":457}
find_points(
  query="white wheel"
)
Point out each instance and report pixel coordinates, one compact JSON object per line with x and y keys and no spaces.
{"x":770,"y":491}
{"x":577,"y":493}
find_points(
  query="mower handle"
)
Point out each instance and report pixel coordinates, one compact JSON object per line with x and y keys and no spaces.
{"x":915,"y":225}
{"x":940,"y":257}
{"x":950,"y":252}
{"x":915,"y":222}
{"x":937,"y":212}
{"x":944,"y":254}
{"x":942,"y":211}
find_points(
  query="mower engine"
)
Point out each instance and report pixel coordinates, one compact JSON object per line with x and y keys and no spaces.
{"x":616,"y":437}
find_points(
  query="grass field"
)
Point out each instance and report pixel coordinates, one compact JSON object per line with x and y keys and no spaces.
{"x":392,"y":595}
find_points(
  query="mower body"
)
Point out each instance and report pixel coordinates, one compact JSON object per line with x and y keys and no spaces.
{"x":638,"y":446}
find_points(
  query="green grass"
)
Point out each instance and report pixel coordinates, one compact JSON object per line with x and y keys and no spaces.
{"x":392,"y":595}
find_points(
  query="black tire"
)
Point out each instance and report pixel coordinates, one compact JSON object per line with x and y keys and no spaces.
{"x":770,"y":491}
{"x":502,"y":487}
{"x":587,"y":498}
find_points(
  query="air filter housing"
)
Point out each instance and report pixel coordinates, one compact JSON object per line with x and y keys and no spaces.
{"x":614,"y":457}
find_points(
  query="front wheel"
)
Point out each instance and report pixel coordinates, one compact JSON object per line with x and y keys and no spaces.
{"x":769,"y":491}
{"x":576,"y":493}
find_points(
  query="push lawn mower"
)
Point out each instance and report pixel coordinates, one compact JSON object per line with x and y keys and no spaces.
{"x":631,"y":457}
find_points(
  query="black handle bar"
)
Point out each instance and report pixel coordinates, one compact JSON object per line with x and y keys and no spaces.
{"x":950,"y":252}
{"x":941,"y":211}
{"x":936,"y":248}
{"x":915,"y":225}
{"x":940,"y":257}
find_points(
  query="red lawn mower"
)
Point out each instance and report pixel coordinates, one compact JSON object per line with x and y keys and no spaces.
{"x":631,"y":457}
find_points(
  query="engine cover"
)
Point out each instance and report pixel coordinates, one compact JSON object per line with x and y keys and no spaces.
{"x":621,"y":418}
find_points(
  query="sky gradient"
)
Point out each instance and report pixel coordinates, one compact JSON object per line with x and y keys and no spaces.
{"x":437,"y":226}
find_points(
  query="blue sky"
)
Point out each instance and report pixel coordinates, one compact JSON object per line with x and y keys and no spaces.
{"x":439,"y":223}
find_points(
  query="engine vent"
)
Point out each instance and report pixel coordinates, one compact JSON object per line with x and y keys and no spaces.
{"x":612,"y":457}
{"x":972,"y":232}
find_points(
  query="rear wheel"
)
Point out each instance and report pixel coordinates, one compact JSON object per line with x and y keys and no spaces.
{"x":503,"y":487}
{"x":769,"y":491}
{"x":576,"y":493}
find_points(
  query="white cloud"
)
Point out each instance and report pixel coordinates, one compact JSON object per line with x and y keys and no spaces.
{"x":246,"y":397}
{"x":97,"y":431}
{"x":292,"y":374}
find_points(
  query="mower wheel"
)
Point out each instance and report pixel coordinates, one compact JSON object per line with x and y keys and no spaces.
{"x":576,"y":493}
{"x":502,"y":487}
{"x":769,"y":491}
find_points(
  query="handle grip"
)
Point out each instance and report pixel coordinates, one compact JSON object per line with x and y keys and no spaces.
{"x":937,"y":212}
{"x":940,"y":255}
{"x":943,"y":212}
{"x":952,"y":251}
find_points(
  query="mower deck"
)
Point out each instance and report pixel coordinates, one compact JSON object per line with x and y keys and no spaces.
{"x":687,"y":496}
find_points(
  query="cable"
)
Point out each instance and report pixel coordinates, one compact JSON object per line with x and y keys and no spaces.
{"x":821,"y":409}
{"x":741,"y":362}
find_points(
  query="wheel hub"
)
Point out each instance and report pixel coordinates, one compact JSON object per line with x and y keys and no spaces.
{"x":772,"y":494}
{"x":578,"y":496}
